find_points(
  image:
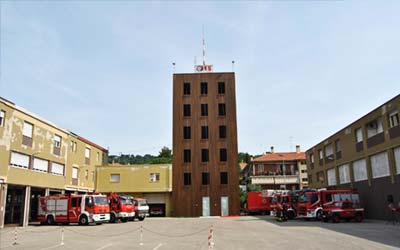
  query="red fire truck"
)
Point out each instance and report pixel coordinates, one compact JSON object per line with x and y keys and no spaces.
{"x":259,"y":202}
{"x":311,"y":202}
{"x":344,"y":209}
{"x":121,"y":207}
{"x":82,"y":209}
{"x":141,"y":208}
{"x":289,"y":198}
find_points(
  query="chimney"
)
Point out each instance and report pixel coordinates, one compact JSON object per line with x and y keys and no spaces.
{"x":298,"y":149}
{"x":272,"y":149}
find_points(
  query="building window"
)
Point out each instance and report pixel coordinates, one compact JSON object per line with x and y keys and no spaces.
{"x":58,"y":169}
{"x":222,"y":154}
{"x":204,"y":132}
{"x":186,"y":155}
{"x":57,"y":145}
{"x":73,"y":146}
{"x":374,"y":127}
{"x":380,"y":165}
{"x":186,"y":110}
{"x":186,"y":88}
{"x":203,"y":88}
{"x":205,"y":178}
{"x":303,"y":171}
{"x":359,"y":135}
{"x":360,"y":170}
{"x":320,"y":177}
{"x":115,"y":178}
{"x":222,"y":132}
{"x":329,"y":152}
{"x":75,"y":173}
{"x":186,"y":133}
{"x":204,"y":155}
{"x":92,"y":175}
{"x":224,"y":178}
{"x":304,"y":179}
{"x":331,"y":173}
{"x":2,"y":117}
{"x":221,"y":109}
{"x":344,"y":174}
{"x":27,"y":134}
{"x":221,"y":88}
{"x":154,"y":177}
{"x":204,"y":109}
{"x":97,"y":157}
{"x":87,"y":156}
{"x":321,"y":154}
{"x":394,"y":119}
{"x":19,"y":160}
{"x":312,"y":158}
{"x":86,"y":174}
{"x":396,"y":152}
{"x":40,"y":165}
{"x":187,"y":179}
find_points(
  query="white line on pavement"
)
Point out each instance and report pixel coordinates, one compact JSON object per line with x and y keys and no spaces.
{"x":103,"y":247}
{"x":157,"y":247}
{"x":58,"y":245}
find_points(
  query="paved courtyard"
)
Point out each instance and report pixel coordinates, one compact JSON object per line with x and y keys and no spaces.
{"x":192,"y":233}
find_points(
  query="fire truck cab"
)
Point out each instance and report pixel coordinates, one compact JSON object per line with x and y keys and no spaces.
{"x":82,"y":209}
{"x":141,"y":208}
{"x":121,"y":207}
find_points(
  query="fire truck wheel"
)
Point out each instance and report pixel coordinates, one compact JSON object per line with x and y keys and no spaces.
{"x":112,"y":218}
{"x":141,"y":218}
{"x":83,"y":220}
{"x":335,"y":218}
{"x":50,"y":220}
{"x":319,"y":215}
{"x":124,"y":219}
{"x":358,"y":217}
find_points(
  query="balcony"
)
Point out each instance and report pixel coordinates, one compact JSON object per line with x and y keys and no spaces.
{"x":375,"y":140}
{"x":275,"y":179}
{"x":394,"y":132}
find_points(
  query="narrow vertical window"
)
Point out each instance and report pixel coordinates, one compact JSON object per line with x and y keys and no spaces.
{"x":187,"y":179}
{"x":224,"y":178}
{"x":186,"y":155}
{"x":204,"y":155}
{"x":186,"y":132}
{"x":223,"y":154}
{"x":222,"y":132}
{"x":205,"y":178}
{"x":221,"y":109}
{"x":204,"y":109}
{"x":203,"y":88}
{"x":221,"y":88}
{"x":204,"y":132}
{"x":186,"y":88}
{"x":186,"y":110}
{"x":27,"y":134}
{"x":2,"y":117}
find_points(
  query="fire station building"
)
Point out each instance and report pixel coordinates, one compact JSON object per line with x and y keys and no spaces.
{"x":363,"y":155}
{"x":40,"y":158}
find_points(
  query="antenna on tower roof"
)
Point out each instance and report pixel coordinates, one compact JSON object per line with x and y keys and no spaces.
{"x":204,"y":49}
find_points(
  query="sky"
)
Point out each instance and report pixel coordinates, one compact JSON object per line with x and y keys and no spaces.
{"x":103,"y":69}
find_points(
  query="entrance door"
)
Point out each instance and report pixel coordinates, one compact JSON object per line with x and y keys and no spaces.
{"x":224,"y":206}
{"x":15,"y":205}
{"x":206,"y":206}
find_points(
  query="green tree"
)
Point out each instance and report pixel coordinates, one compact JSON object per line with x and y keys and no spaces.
{"x":165,"y":152}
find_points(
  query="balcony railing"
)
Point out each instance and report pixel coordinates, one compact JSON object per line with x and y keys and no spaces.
{"x":275,"y":179}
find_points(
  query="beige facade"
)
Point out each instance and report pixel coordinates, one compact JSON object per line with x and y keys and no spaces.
{"x":363,"y":155}
{"x":38,"y":158}
{"x":150,"y":181}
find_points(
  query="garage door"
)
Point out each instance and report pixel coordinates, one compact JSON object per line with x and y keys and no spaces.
{"x":155,"y":198}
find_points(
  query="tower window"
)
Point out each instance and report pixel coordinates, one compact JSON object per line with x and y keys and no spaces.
{"x":186,"y":88}
{"x":203,"y":88}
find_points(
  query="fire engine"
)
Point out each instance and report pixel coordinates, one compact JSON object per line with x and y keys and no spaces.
{"x":259,"y":202}
{"x":287,"y":197}
{"x":344,"y":209}
{"x":82,"y":209}
{"x":311,"y":202}
{"x":141,"y":208}
{"x":121,"y":207}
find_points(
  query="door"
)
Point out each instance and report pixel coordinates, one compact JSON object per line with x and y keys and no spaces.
{"x":75,"y":209}
{"x":206,"y":206}
{"x":224,"y":206}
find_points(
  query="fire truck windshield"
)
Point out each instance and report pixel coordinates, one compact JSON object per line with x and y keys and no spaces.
{"x":99,"y":200}
{"x":304,"y":198}
{"x":126,"y":201}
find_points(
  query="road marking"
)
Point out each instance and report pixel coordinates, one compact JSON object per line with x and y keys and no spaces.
{"x":157,"y":247}
{"x":58,"y":245}
{"x":103,"y":247}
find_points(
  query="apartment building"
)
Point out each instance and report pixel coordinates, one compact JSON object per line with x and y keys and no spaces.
{"x":363,"y":155}
{"x":205,"y":158}
{"x":39,"y":158}
{"x":278,"y":170}
{"x":150,"y":181}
